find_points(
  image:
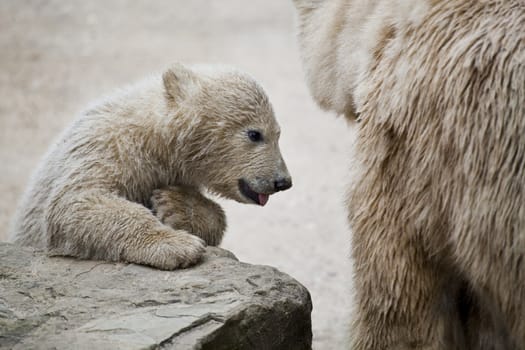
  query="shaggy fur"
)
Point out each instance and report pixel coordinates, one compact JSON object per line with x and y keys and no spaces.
{"x":437,"y":200}
{"x":155,"y":145}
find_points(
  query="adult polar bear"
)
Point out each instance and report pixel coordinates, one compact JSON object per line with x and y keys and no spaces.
{"x":437,"y":204}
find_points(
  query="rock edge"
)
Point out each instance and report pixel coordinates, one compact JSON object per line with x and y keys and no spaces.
{"x":62,"y":303}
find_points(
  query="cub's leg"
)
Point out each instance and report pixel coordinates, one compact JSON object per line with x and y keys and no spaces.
{"x":101,"y":225}
{"x":186,"y":208}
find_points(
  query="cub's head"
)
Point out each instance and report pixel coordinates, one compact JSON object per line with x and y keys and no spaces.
{"x":233,"y":138}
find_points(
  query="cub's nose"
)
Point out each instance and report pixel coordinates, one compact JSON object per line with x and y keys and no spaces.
{"x":282,"y":184}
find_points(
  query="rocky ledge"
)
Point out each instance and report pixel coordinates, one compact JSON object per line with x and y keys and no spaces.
{"x":60,"y":303}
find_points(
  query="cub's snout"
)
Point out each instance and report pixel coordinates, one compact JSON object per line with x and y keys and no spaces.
{"x":259,"y":190}
{"x":282,"y":184}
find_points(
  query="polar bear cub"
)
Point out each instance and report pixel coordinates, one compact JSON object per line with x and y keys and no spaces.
{"x":124,"y":182}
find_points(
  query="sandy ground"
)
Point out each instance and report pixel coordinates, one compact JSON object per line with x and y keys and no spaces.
{"x":57,"y":56}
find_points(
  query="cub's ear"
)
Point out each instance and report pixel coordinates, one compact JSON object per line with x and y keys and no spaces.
{"x":179,"y":81}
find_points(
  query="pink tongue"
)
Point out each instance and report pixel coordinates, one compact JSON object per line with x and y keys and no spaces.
{"x":263,"y":199}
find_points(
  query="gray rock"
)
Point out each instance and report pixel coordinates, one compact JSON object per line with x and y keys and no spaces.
{"x":61,"y":303}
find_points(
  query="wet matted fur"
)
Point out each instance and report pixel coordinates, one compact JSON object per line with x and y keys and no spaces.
{"x":437,"y":199}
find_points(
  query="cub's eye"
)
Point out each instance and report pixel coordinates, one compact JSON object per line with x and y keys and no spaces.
{"x":255,"y":136}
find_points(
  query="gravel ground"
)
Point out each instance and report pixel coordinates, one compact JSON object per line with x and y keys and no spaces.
{"x":57,"y":56}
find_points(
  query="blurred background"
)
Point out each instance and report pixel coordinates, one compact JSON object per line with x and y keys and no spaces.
{"x":58,"y":56}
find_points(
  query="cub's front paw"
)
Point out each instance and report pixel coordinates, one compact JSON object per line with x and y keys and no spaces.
{"x":185,"y":208}
{"x":169,"y":250}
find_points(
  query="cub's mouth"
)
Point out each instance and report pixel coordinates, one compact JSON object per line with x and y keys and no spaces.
{"x":258,"y":198}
